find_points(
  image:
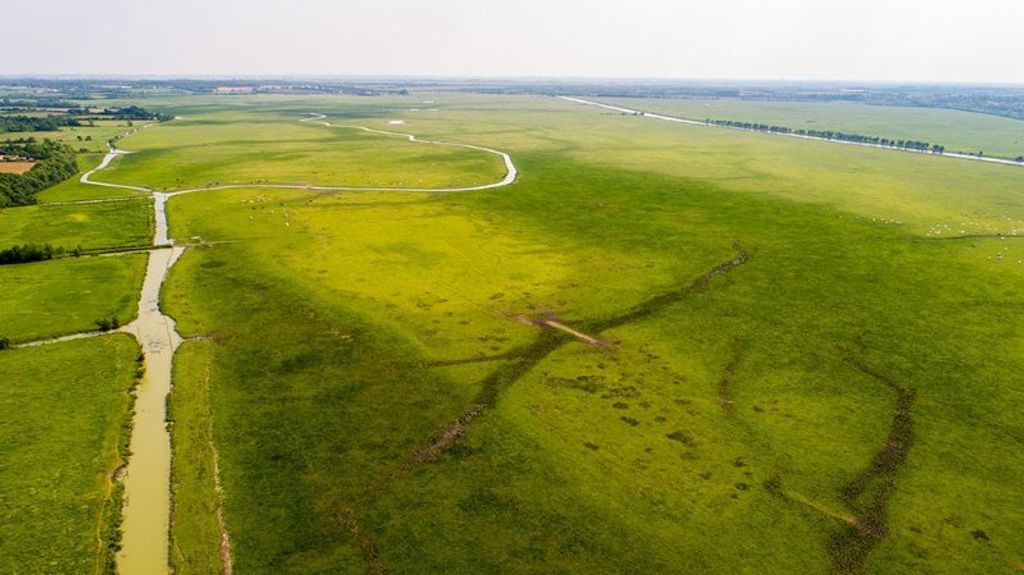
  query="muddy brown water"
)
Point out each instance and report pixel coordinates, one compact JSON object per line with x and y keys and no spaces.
{"x":147,"y":496}
{"x":146,"y":511}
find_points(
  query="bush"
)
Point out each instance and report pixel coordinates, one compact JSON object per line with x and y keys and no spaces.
{"x":108,"y":323}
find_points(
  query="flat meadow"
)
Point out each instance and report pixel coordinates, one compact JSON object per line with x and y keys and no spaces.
{"x":100,"y":226}
{"x":71,"y":294}
{"x":663,"y":349}
{"x":240,"y":147}
{"x":91,"y":139}
{"x":968,"y":132}
{"x":62,"y":438}
{"x":800,"y":348}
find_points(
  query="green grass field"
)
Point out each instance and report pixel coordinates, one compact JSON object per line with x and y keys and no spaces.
{"x":246,"y":148}
{"x":804,"y":356}
{"x":61,"y":297}
{"x":99,"y":134}
{"x":61,"y":439}
{"x":89,"y":226}
{"x":832,"y":400}
{"x":73,"y":190}
{"x":958,"y":131}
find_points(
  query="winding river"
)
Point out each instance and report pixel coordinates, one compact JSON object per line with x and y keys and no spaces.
{"x":147,"y":500}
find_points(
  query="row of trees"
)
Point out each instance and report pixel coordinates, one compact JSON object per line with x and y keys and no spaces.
{"x":34,"y":253}
{"x":56,"y":163}
{"x":916,"y":145}
{"x":138,"y":113}
{"x":74,"y":118}
{"x":49,"y":123}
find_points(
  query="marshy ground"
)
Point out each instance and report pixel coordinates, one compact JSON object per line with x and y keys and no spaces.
{"x":659,"y":339}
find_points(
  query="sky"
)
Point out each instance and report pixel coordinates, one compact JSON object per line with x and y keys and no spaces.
{"x":858,"y":40}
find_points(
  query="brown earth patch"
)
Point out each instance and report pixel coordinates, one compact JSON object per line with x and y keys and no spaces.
{"x":15,"y":167}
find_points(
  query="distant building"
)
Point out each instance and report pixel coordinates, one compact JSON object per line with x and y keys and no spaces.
{"x":234,"y":90}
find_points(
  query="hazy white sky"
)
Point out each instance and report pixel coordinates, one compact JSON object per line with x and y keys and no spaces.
{"x":906,"y":40}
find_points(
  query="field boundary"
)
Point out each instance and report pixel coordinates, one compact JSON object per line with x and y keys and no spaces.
{"x":704,"y":124}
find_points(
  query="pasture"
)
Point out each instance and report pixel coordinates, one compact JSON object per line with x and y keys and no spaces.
{"x":664,"y":349}
{"x":62,"y":437}
{"x":90,"y":139}
{"x":60,"y":297}
{"x":245,"y":148}
{"x":97,"y":226}
{"x":959,"y":131}
{"x":807,"y":352}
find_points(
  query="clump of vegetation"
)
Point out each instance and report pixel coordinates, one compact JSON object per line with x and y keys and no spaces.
{"x":137,"y":113}
{"x":5,"y":343}
{"x":109,"y":323}
{"x":56,"y":163}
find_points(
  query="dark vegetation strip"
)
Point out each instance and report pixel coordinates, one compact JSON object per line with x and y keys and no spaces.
{"x":550,"y":340}
{"x":50,"y":123}
{"x":916,"y":145}
{"x":523,"y":359}
{"x":371,"y":553}
{"x":724,"y":382}
{"x":658,"y":304}
{"x":868,"y":494}
{"x":75,"y":117}
{"x":28,"y":253}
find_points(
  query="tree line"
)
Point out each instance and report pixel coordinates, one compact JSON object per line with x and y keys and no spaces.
{"x":35,"y":253}
{"x":915,"y":145}
{"x":75,"y":118}
{"x":56,"y":163}
{"x":49,"y":123}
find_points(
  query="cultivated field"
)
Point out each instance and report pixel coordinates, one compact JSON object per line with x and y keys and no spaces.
{"x":15,"y":167}
{"x":663,"y":349}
